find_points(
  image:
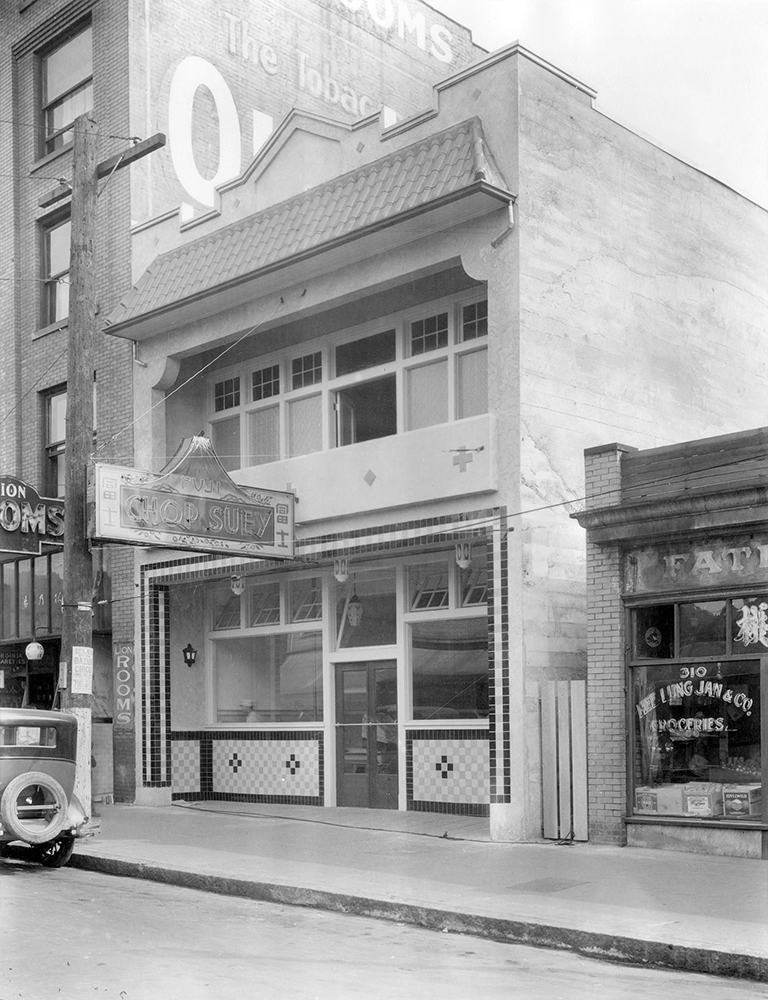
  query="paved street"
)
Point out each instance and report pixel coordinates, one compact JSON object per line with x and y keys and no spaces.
{"x":69,"y":934}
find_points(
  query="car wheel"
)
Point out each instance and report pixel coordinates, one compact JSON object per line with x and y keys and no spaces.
{"x":34,"y":807}
{"x":56,"y":853}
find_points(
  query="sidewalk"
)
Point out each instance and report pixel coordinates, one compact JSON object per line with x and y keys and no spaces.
{"x":696,"y":912}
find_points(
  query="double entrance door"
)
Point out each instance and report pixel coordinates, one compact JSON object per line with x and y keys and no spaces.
{"x":366,"y":734}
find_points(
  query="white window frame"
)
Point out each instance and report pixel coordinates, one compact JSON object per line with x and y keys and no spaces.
{"x":330,"y":384}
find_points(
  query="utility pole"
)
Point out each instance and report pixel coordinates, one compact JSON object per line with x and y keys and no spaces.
{"x":76,"y":679}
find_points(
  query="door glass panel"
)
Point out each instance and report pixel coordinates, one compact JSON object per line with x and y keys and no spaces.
{"x":354,"y":717}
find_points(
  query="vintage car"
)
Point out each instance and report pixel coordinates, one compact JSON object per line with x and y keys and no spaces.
{"x":38,"y":806}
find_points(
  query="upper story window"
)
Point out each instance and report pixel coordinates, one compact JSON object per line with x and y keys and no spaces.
{"x":55,"y":424}
{"x":55,"y":438}
{"x":56,"y":252}
{"x":405,"y":373}
{"x":67,"y":87}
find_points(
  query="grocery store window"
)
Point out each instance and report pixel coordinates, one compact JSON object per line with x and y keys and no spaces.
{"x":66,"y":87}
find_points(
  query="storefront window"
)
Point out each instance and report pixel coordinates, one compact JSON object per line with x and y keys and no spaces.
{"x":702,"y":628}
{"x":697,"y":740}
{"x":265,"y":604}
{"x":269,"y":678}
{"x":366,"y":610}
{"x":654,"y":632}
{"x":450,"y":669}
{"x":750,"y":624}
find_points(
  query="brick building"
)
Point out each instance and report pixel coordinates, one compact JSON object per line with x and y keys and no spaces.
{"x":677,"y":575}
{"x":404,"y":283}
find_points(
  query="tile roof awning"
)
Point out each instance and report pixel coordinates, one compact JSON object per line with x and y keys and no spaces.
{"x":450,"y":169}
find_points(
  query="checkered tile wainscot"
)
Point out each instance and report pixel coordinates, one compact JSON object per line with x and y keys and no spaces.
{"x":185,"y":765}
{"x":266,"y":767}
{"x":450,"y":769}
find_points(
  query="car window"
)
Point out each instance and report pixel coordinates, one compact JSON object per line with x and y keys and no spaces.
{"x":27,"y":736}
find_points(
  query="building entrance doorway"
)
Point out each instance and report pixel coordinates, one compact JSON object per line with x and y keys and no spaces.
{"x":366,"y":734}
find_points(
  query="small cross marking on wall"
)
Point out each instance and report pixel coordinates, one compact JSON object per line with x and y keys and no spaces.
{"x":463,"y":458}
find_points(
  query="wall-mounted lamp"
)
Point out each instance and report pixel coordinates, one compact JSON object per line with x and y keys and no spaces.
{"x":237,"y":585}
{"x":34,"y":651}
{"x":341,"y":570}
{"x":463,"y":554}
{"x":190,"y":654}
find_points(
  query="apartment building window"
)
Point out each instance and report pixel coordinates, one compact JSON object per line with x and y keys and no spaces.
{"x":380,"y":379}
{"x":55,"y":431}
{"x":56,"y":251}
{"x":67,"y":87}
{"x":55,"y":434}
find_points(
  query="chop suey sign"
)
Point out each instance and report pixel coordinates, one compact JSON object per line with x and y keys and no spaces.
{"x":192,"y":504}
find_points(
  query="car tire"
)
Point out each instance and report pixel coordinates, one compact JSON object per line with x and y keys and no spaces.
{"x":56,"y":853}
{"x":54,"y":805}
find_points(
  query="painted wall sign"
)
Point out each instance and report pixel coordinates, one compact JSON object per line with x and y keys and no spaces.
{"x":193,"y":504}
{"x":27,"y":519}
{"x":718,"y":562}
{"x":218,"y":88}
{"x":125,"y":692}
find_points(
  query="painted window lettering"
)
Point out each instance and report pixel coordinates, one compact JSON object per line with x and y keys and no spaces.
{"x":753,"y":625}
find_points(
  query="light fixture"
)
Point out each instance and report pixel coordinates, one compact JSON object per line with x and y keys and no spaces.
{"x":354,"y":611}
{"x":463,"y":554}
{"x":237,"y":584}
{"x":341,"y":570}
{"x":190,"y":654}
{"x":34,"y":651}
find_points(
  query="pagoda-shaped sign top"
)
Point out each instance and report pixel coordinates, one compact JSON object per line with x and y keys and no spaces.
{"x":192,"y":504}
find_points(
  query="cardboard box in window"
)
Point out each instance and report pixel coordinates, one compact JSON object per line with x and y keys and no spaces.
{"x":742,"y":800}
{"x":646,"y":800}
{"x":702,"y":799}
{"x":659,"y":800}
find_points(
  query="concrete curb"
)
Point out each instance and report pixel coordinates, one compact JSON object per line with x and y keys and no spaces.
{"x":591,"y":944}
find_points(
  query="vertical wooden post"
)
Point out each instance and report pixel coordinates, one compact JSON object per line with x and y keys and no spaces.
{"x":76,"y":631}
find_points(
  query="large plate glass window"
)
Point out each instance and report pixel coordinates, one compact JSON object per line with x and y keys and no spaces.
{"x":697,"y":722}
{"x":270,"y":678}
{"x":450,"y":669}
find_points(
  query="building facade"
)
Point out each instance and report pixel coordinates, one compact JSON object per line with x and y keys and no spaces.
{"x":405,"y":283}
{"x":677,"y":576}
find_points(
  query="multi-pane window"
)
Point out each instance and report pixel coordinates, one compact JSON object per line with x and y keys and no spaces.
{"x":474,"y":320}
{"x":417,"y":372}
{"x":56,"y":256}
{"x":266,"y":382}
{"x":67,"y":87}
{"x":429,"y":334}
{"x":226,"y":394}
{"x":307,"y":370}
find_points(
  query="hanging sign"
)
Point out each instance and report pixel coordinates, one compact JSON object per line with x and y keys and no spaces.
{"x":27,"y":519}
{"x":192,"y":504}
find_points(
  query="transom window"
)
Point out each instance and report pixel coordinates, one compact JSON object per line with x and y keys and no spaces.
{"x":67,"y":87}
{"x":266,"y":383}
{"x":227,"y":394}
{"x":429,"y":334}
{"x":307,"y":370}
{"x":377,"y":380}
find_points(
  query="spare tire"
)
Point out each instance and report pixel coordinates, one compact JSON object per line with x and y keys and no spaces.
{"x":34,"y":807}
